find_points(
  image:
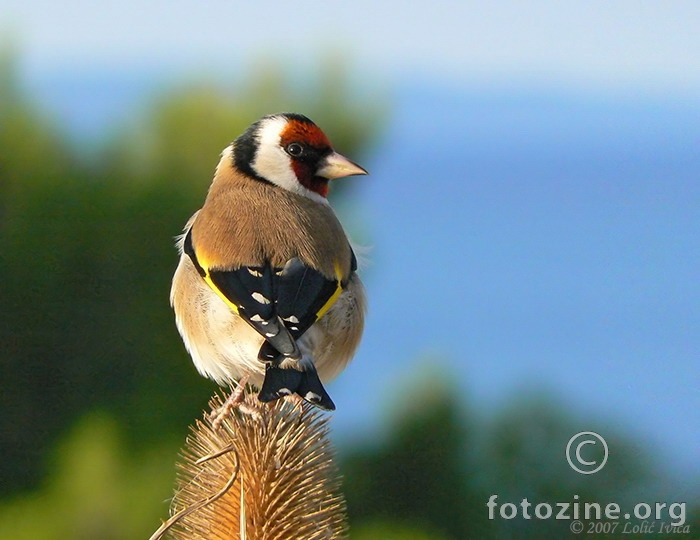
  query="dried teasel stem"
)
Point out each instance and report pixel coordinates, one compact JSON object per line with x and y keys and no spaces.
{"x":266,"y":472}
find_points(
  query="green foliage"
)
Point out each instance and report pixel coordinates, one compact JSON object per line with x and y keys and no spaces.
{"x":527,"y":442}
{"x":420,"y":475}
{"x":96,"y":489}
{"x":437,"y":468}
{"x":388,"y":530}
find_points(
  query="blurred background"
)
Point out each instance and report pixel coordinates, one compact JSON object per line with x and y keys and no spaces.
{"x":533,"y":229}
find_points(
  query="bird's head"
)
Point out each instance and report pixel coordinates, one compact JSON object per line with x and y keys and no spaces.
{"x":292,"y":152}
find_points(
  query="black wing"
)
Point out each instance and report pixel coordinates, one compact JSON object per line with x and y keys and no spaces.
{"x":279,"y":303}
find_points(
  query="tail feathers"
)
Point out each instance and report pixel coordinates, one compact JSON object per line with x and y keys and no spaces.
{"x":313,"y":391}
{"x":281,"y":382}
{"x":268,"y":353}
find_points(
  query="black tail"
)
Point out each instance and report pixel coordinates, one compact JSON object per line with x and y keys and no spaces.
{"x":284,"y":382}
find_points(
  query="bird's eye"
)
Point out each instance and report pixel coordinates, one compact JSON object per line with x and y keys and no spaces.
{"x":295,"y":149}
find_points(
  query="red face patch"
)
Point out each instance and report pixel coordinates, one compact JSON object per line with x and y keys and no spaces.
{"x":313,"y":145}
{"x":311,"y":134}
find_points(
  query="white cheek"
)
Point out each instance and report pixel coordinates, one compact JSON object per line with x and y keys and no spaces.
{"x":271,"y":161}
{"x":274,"y":165}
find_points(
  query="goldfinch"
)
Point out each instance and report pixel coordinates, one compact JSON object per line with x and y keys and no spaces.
{"x":266,"y":288}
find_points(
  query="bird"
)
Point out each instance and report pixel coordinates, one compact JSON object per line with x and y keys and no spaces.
{"x":266,"y":291}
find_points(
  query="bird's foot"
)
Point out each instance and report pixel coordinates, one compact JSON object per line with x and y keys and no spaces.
{"x":236,"y":400}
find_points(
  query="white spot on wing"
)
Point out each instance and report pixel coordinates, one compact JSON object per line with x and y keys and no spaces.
{"x":312,"y":397}
{"x":260,"y":298}
{"x":258,"y":318}
{"x":292,"y":319}
{"x":254,"y":272}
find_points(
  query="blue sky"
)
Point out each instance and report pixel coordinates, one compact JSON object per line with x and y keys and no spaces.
{"x":595,"y":44}
{"x":537,"y":188}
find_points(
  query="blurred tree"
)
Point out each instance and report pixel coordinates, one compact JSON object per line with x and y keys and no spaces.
{"x":36,"y":249}
{"x":389,"y":530}
{"x":97,"y":489}
{"x":524,"y":458}
{"x":436,"y":469}
{"x":421,"y":475}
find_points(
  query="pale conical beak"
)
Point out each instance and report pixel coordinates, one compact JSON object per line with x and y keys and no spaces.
{"x":336,"y":166}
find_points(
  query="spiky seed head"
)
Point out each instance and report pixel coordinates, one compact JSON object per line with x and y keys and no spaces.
{"x":265,"y":473}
